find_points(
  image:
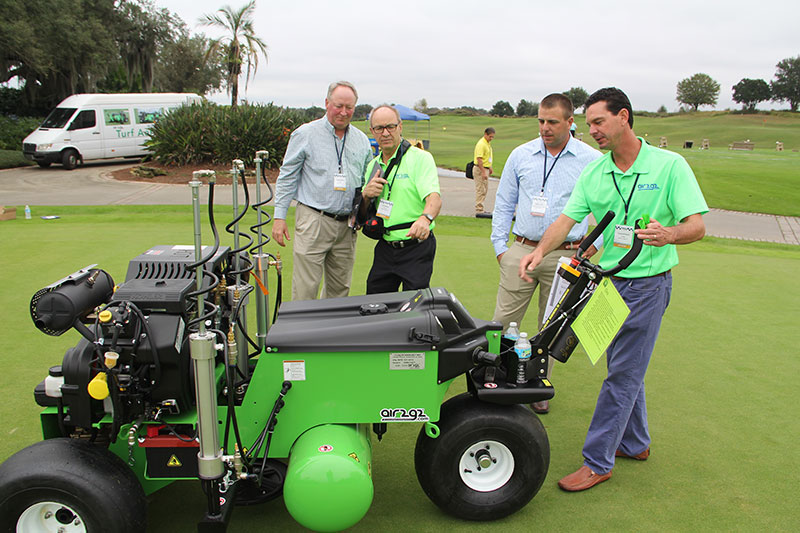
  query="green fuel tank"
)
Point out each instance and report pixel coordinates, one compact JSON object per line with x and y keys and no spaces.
{"x":328,"y":483}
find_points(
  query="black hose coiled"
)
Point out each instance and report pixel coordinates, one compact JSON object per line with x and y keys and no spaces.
{"x":201,"y":313}
{"x":248,"y":265}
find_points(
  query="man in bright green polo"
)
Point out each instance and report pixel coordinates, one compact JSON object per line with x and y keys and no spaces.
{"x":404,"y":183}
{"x":634,"y":180}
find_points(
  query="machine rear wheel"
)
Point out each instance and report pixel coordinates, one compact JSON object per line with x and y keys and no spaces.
{"x":70,"y":159}
{"x":69,"y":486}
{"x":488,"y":462}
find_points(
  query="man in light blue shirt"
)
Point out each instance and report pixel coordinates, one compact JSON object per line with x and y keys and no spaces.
{"x":536,"y":183}
{"x":323,"y":166}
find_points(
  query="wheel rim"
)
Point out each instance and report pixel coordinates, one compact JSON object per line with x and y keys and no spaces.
{"x":50,"y":517}
{"x":487,"y":465}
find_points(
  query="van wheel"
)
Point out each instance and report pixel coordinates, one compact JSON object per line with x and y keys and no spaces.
{"x":43,"y":164}
{"x":70,"y":159}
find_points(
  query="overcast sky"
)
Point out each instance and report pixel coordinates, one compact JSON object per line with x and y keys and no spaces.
{"x":475,"y":53}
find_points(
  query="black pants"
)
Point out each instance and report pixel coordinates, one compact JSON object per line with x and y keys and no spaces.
{"x":412,"y":266}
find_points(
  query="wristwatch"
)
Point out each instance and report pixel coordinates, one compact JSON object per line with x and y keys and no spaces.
{"x":429,"y":217}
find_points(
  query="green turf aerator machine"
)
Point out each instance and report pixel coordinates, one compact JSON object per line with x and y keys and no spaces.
{"x":165,"y":383}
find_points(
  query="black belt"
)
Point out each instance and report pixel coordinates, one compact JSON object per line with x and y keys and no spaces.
{"x":659,"y":275}
{"x":337,"y":218}
{"x":403,"y":244}
{"x":566,"y":245}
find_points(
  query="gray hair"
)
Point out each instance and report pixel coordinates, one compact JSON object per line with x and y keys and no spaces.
{"x":332,"y":87}
{"x":387,"y":106}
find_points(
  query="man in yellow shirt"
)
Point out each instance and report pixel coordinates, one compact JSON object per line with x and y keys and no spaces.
{"x":482,"y":170}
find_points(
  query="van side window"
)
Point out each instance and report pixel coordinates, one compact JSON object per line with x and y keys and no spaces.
{"x":148,"y":115}
{"x":85,"y":119}
{"x":117,"y":117}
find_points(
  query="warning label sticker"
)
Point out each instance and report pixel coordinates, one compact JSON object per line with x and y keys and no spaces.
{"x":294,"y":370}
{"x":174,"y":462}
{"x":407,"y":361}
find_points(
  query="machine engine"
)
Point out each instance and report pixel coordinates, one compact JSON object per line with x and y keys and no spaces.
{"x":133,"y":361}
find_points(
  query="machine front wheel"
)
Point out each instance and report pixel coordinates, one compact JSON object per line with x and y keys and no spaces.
{"x":69,"y":486}
{"x":488,"y":462}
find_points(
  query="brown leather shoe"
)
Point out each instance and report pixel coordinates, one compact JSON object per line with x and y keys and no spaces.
{"x":639,"y":457}
{"x":582,"y":479}
{"x":541,"y":408}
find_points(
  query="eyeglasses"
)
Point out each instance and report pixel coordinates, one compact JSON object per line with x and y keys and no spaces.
{"x":379,"y":129}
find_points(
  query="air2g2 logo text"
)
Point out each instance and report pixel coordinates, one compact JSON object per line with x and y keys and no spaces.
{"x":404,"y":415}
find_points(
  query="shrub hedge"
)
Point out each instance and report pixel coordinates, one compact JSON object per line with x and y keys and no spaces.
{"x":14,"y":129}
{"x":209,"y":133}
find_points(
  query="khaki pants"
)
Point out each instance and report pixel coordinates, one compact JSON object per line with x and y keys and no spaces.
{"x":324,"y":251}
{"x":480,"y":175}
{"x":514,"y":294}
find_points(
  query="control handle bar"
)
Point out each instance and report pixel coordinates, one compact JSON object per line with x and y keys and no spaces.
{"x":626,"y":260}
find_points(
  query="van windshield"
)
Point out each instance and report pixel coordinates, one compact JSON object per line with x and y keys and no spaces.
{"x":58,"y":117}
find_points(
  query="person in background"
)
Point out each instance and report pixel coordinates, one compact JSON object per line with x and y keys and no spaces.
{"x":482,"y":159}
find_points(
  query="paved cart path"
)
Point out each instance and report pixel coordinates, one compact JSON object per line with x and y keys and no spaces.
{"x":92,"y":184}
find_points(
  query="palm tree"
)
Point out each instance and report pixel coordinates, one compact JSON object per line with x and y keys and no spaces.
{"x":241,"y":45}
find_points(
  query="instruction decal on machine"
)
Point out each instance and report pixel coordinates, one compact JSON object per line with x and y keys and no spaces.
{"x":404,"y":415}
{"x":294,"y":370}
{"x":407,"y":361}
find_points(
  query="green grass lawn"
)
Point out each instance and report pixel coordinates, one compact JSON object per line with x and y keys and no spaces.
{"x":13,"y":159}
{"x":761,"y":181}
{"x":721,"y":386}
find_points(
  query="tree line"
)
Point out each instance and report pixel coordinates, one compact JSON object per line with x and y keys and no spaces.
{"x":701,"y":89}
{"x":56,"y":48}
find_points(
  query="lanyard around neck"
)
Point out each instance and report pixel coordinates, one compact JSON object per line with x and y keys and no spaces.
{"x":545,"y":172}
{"x":339,"y":154}
{"x":628,"y":203}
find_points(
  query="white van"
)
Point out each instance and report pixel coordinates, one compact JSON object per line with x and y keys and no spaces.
{"x":99,"y":126}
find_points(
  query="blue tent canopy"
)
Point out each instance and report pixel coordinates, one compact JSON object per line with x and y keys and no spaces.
{"x":406,"y":113}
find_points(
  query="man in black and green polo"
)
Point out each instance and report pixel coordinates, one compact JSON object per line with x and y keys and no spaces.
{"x":407,"y":196}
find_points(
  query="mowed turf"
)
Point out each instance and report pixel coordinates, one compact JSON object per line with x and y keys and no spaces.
{"x":721,"y":388}
{"x":761,"y":181}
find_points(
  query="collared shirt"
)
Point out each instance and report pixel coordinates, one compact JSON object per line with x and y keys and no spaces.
{"x":412,"y":182}
{"x":310,"y":163}
{"x":521,"y":181}
{"x":483,"y":150}
{"x":666,"y":190}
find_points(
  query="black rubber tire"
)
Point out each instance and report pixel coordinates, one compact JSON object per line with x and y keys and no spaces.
{"x":93,"y":482}
{"x":464,"y":422}
{"x":70,"y":159}
{"x":43,"y":164}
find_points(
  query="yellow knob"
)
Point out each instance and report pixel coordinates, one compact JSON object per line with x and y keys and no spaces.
{"x":105,"y":316}
{"x":98,"y":387}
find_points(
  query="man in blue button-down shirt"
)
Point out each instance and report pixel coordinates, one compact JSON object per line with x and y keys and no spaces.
{"x":536,"y":183}
{"x":323,"y":166}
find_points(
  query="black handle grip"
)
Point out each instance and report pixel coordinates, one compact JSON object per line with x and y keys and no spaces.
{"x":629,"y":257}
{"x":589,"y":240}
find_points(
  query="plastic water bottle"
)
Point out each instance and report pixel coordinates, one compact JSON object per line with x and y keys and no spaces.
{"x":523,"y":350}
{"x":512,"y":333}
{"x":27,"y":212}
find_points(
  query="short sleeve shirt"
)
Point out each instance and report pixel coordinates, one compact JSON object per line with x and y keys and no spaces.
{"x":660,"y":184}
{"x":483,"y":150}
{"x":411,"y":182}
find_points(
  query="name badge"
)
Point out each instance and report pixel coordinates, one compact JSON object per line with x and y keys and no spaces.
{"x":385,"y":209}
{"x":623,"y":236}
{"x":538,"y":206}
{"x":339,"y":182}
